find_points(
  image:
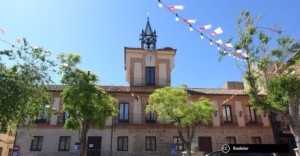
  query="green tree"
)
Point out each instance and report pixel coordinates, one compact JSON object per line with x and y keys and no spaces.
{"x":86,"y":103}
{"x":23,"y":91}
{"x":171,"y":105}
{"x":280,"y":87}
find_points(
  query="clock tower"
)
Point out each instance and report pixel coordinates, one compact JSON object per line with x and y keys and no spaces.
{"x":147,"y":66}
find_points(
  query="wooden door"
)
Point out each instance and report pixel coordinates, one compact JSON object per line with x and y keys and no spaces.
{"x":9,"y":152}
{"x":205,"y":144}
{"x":94,"y":146}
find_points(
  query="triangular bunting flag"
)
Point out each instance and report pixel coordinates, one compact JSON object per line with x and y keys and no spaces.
{"x":217,"y":31}
{"x":2,"y":31}
{"x":218,"y":42}
{"x":239,"y":51}
{"x":189,"y":21}
{"x":18,"y":40}
{"x":174,"y":8}
{"x":227,"y":45}
{"x":205,"y":27}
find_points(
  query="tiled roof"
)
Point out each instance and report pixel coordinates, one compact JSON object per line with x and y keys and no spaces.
{"x":106,"y":88}
{"x":207,"y":91}
{"x":217,"y":91}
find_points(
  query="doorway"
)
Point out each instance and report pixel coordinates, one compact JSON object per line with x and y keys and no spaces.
{"x":204,"y":144}
{"x":94,"y":146}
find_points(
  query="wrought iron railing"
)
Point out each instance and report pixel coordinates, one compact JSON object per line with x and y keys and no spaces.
{"x":228,"y":121}
{"x":205,"y":124}
{"x":253,"y":120}
{"x":150,"y":82}
{"x":138,"y":119}
{"x":41,"y":121}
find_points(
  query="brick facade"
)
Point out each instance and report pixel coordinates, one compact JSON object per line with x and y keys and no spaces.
{"x":138,"y":127}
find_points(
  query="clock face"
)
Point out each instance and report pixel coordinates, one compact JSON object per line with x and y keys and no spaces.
{"x":150,"y":57}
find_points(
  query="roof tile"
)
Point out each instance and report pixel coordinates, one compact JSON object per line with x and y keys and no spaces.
{"x":126,"y":89}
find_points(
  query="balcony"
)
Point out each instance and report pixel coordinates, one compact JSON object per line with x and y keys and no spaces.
{"x":253,"y":121}
{"x":62,"y":117}
{"x":203,"y":124}
{"x":228,"y":121}
{"x":138,"y":119}
{"x":41,"y":121}
{"x":152,"y":82}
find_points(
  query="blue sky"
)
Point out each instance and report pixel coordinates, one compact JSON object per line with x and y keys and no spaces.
{"x":99,"y":30}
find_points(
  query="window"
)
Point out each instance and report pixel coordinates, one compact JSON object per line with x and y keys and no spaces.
{"x":122,"y":143}
{"x":42,"y":115}
{"x":150,"y":117}
{"x":251,"y":114}
{"x":226,"y":110}
{"x":64,"y":143}
{"x":150,"y":76}
{"x":36,"y":143}
{"x":230,"y":140}
{"x":179,"y":144}
{"x":124,"y":113}
{"x":66,"y":116}
{"x":256,"y":140}
{"x":150,"y":143}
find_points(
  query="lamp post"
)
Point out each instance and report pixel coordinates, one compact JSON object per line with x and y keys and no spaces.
{"x":16,"y":135}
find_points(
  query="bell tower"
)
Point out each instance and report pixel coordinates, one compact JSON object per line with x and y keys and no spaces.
{"x":148,"y":66}
{"x":148,"y":37}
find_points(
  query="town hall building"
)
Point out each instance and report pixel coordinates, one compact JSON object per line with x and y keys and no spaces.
{"x":134,"y":132}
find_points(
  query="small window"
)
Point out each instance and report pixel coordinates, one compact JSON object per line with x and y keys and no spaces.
{"x":150,"y":143}
{"x":230,"y":140}
{"x":36,"y":143}
{"x":179,"y":144}
{"x":256,"y":140}
{"x":64,"y":143}
{"x":122,"y":143}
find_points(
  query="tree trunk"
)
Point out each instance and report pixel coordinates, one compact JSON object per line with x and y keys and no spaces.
{"x":188,"y":149}
{"x":84,"y":127}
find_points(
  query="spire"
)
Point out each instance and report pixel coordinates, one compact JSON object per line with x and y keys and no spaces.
{"x":148,"y":37}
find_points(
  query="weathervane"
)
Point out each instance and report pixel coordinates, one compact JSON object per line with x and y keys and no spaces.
{"x":148,"y":37}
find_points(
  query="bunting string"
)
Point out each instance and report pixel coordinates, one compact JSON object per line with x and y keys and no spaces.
{"x":238,"y":53}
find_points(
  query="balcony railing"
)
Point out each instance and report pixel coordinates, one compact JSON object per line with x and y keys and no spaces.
{"x":41,"y":121}
{"x":62,"y":117}
{"x":228,"y":121}
{"x":253,"y":121}
{"x":203,"y":124}
{"x":152,"y":82}
{"x":138,"y":119}
{"x":145,"y":119}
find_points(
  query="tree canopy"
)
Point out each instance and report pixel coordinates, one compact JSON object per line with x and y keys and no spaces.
{"x":87,"y":104}
{"x":23,"y":88}
{"x":171,"y":104}
{"x":270,"y":69}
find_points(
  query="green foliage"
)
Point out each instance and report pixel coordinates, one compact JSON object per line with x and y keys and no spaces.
{"x":24,"y":85}
{"x":171,"y":104}
{"x":259,"y":69}
{"x":82,"y":98}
